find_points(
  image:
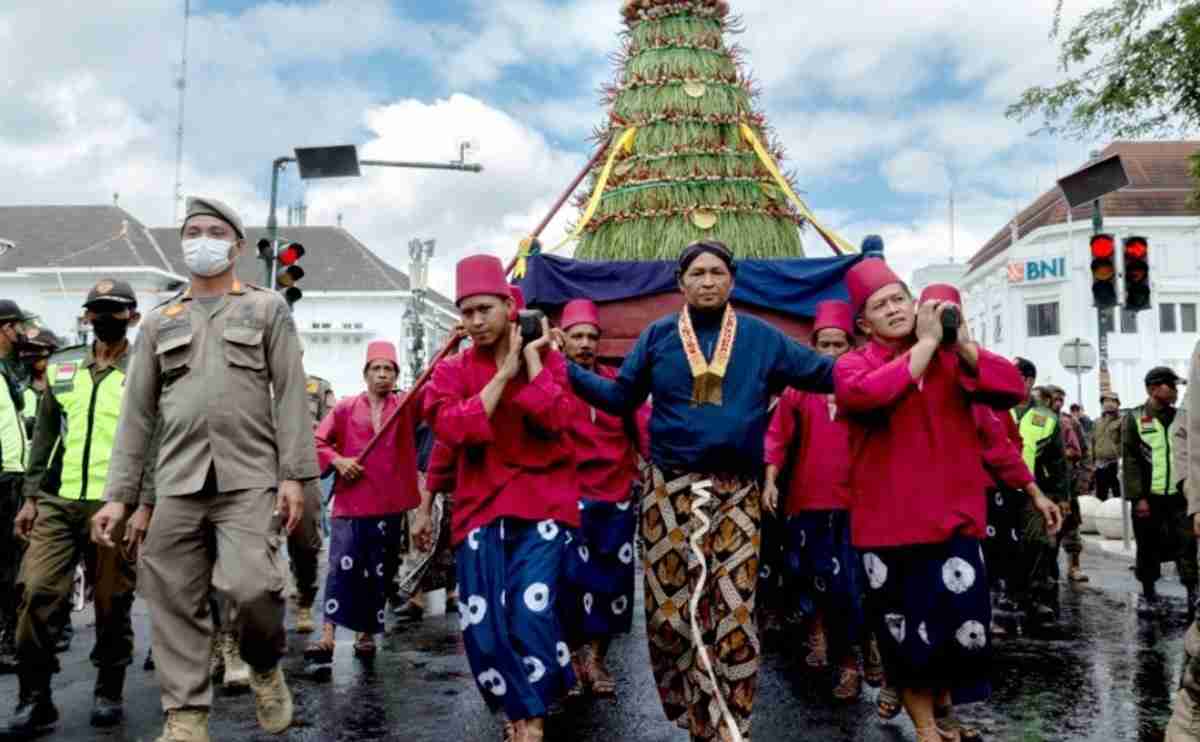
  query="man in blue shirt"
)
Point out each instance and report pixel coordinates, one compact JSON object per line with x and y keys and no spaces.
{"x":712,"y":373}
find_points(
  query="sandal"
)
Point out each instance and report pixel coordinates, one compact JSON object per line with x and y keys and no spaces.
{"x":849,"y":685}
{"x":581,"y":676}
{"x":934,"y":733}
{"x":949,"y":722}
{"x":510,"y":731}
{"x":364,"y":646}
{"x":818,"y":656}
{"x":1076,"y":575}
{"x":321,"y":651}
{"x":602,"y":684}
{"x":873,"y":665}
{"x":888,"y":704}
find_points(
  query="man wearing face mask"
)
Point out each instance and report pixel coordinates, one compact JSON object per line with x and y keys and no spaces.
{"x":64,"y":484}
{"x":219,"y":366}
{"x":12,"y":471}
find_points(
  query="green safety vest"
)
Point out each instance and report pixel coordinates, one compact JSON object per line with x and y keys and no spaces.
{"x":1155,"y":439}
{"x":90,"y":413}
{"x":1037,"y":428}
{"x":12,"y":433}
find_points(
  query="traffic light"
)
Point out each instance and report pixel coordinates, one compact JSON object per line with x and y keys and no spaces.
{"x":1137,"y":273}
{"x":1104,"y":270}
{"x":289,"y":274}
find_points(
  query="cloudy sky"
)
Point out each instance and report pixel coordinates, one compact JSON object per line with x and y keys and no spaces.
{"x":884,"y":108}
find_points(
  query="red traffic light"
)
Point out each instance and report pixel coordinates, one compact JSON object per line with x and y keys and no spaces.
{"x":1136,"y":248}
{"x":290,"y":253}
{"x":1103,"y":246}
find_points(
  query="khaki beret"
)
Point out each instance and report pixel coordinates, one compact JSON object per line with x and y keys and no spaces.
{"x":197,"y":206}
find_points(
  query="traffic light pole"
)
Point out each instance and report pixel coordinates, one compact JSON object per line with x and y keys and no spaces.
{"x":272,"y":222}
{"x":1102,"y":352}
{"x":277,"y":167}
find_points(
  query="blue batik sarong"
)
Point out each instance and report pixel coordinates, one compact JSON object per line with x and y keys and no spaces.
{"x":509,"y":588}
{"x":825,"y":569}
{"x":930,"y":608}
{"x":599,"y":571}
{"x":355,"y":587}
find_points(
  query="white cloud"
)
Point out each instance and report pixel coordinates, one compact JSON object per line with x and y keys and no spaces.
{"x":917,"y":171}
{"x":466,"y":213}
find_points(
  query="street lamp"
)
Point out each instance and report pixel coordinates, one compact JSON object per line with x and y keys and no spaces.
{"x":419,"y":253}
{"x":339,"y":161}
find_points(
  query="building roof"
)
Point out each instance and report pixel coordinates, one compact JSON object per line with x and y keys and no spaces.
{"x":334,"y":260}
{"x":77,"y":237}
{"x":110,"y":237}
{"x":1160,"y":184}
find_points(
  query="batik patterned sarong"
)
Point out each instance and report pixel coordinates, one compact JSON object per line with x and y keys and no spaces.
{"x":701,"y":548}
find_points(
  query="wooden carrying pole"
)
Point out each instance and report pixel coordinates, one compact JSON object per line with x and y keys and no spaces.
{"x":565,"y":195}
{"x":451,"y":345}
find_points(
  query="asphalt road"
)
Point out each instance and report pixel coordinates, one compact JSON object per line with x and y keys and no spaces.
{"x":1102,"y":675}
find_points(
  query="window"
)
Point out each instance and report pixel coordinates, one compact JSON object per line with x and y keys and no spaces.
{"x":1166,"y":317}
{"x":1187,"y":317}
{"x":358,"y":325}
{"x":1042,"y":319}
{"x":1108,"y":320}
{"x":1129,"y":322}
{"x":998,"y":333}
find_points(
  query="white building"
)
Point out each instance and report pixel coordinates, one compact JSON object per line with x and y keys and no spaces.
{"x":951,"y":273}
{"x":51,"y":255}
{"x":1028,"y":290}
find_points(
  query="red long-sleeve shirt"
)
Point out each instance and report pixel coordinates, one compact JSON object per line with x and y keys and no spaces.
{"x":820,"y":477}
{"x":388,"y":485}
{"x":606,"y":448}
{"x":917,"y":472}
{"x":440,"y":474}
{"x":518,"y":463}
{"x":1001,"y":453}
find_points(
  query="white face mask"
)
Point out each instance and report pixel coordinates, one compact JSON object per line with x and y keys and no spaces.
{"x":206,"y":256}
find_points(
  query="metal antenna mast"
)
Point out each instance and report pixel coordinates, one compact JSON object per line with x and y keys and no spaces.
{"x":181,"y":86}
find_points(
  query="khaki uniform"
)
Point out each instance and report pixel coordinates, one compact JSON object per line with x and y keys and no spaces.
{"x":60,"y":538}
{"x":226,"y":378}
{"x":1185,"y":717}
{"x":304,"y":544}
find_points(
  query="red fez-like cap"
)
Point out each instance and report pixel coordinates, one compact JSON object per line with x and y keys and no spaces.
{"x":941,"y":292}
{"x":480,"y":274}
{"x":518,"y":296}
{"x":834,"y":315}
{"x":867,"y":277}
{"x":580,"y":312}
{"x":382,"y":350}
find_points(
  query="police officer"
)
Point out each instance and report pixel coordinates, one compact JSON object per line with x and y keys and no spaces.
{"x":35,"y":357}
{"x":13,"y":450}
{"x":35,"y":354}
{"x":304,"y":543}
{"x":1106,"y":447}
{"x":64,"y":485}
{"x":1160,"y":523}
{"x":1185,"y":717}
{"x":220,"y":365}
{"x":1033,"y":585}
{"x":1075,"y":446}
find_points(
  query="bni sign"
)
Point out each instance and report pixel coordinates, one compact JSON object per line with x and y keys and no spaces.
{"x":1038,"y":270}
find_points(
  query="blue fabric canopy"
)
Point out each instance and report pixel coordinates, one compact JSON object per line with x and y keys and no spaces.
{"x":793,"y":286}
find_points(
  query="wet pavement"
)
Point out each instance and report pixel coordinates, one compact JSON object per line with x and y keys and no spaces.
{"x":1101,"y":675}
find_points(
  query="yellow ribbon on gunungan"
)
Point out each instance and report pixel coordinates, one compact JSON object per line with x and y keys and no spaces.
{"x":838,"y":244}
{"x":624,"y":144}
